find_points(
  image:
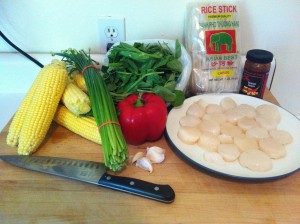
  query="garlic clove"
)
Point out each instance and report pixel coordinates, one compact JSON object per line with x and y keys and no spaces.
{"x":137,"y":156}
{"x":145,"y":164}
{"x":154,"y":156}
{"x":157,"y":149}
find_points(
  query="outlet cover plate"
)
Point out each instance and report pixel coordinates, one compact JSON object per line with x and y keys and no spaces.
{"x":111,"y":30}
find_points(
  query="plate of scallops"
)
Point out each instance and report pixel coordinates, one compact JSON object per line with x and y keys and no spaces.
{"x":236,"y":136}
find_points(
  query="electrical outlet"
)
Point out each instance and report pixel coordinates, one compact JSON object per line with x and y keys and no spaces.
{"x":112,"y":30}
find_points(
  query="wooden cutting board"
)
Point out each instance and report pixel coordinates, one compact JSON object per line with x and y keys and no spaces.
{"x":30,"y":197}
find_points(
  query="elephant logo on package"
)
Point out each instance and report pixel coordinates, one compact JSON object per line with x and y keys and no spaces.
{"x":220,"y":41}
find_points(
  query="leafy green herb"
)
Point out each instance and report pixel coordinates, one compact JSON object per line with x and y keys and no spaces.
{"x":142,"y":68}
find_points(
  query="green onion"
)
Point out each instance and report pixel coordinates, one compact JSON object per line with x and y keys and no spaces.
{"x":113,"y":142}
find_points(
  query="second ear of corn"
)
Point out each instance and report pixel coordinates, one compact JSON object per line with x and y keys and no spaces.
{"x":83,"y":126}
{"x":76,"y":100}
{"x":79,"y":80}
{"x":33,"y":118}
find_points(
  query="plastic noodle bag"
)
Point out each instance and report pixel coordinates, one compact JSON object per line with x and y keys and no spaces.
{"x":213,"y":40}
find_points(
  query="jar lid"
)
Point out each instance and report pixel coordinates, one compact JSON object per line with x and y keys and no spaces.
{"x":259,"y":56}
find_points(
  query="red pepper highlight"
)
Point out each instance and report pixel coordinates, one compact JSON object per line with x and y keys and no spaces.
{"x":142,"y":118}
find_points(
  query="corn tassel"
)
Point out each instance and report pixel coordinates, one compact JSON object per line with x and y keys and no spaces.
{"x":86,"y":127}
{"x":76,"y":100}
{"x":43,"y":106}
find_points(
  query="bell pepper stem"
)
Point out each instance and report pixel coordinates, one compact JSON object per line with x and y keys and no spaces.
{"x":139,"y":102}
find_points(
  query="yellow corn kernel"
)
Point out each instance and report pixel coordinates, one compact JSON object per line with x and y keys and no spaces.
{"x":76,"y":100}
{"x":12,"y":138}
{"x":79,"y":80}
{"x":43,"y":106}
{"x":86,"y":127}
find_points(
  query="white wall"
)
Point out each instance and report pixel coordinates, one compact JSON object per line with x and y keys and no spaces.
{"x":53,"y":25}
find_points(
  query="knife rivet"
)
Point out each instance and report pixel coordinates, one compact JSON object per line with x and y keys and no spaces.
{"x":108,"y":177}
{"x":156,"y":188}
{"x":131,"y":183}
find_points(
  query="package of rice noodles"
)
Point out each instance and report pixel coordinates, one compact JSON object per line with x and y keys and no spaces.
{"x":213,"y":40}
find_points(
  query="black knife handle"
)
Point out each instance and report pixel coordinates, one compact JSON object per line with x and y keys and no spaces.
{"x":162,"y":193}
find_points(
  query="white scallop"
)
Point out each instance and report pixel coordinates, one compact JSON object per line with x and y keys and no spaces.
{"x":230,"y":129}
{"x":233,"y":115}
{"x":210,"y":126}
{"x":245,"y":143}
{"x":268,"y":111}
{"x":195,"y":110}
{"x":189,"y":121}
{"x":213,"y":109}
{"x":214,"y":157}
{"x":246,"y":123}
{"x":227,"y":103}
{"x":229,"y":152}
{"x":209,"y":141}
{"x":281,"y":136}
{"x":225,"y":139}
{"x":220,"y":118}
{"x":257,"y":132}
{"x":202,"y":103}
{"x":255,"y":160}
{"x":272,"y":148}
{"x":267,"y":123}
{"x":246,"y":110}
{"x":188,"y":135}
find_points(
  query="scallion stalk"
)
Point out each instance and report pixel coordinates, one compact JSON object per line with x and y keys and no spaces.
{"x":113,"y":142}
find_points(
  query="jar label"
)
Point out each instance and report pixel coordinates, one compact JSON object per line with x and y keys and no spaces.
{"x":253,"y":84}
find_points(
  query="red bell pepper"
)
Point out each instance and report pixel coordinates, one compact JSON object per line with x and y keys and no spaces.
{"x":142,"y":118}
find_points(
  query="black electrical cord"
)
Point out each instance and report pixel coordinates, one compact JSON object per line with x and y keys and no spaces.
{"x":19,"y":50}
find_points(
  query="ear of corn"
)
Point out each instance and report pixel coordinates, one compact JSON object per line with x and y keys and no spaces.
{"x":84,"y":126}
{"x":15,"y":127}
{"x":76,"y":100}
{"x":79,"y":80}
{"x":41,"y":109}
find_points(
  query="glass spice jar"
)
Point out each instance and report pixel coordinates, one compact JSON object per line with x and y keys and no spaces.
{"x":256,"y":71}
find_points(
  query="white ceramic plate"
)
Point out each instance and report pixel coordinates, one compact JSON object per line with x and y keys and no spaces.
{"x":193,"y":154}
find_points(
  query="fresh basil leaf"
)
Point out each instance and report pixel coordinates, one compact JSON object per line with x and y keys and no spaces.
{"x":145,"y":85}
{"x":175,"y":65}
{"x":178,"y":101}
{"x":155,"y":79}
{"x":165,"y":93}
{"x":177,"y":49}
{"x":162,"y":62}
{"x":170,"y":85}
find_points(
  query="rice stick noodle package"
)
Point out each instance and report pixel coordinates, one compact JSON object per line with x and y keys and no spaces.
{"x":213,"y":41}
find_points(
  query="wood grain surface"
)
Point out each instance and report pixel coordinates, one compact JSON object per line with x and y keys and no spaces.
{"x":30,"y":197}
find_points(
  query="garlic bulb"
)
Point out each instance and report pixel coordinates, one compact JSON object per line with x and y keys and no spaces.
{"x":155,"y":154}
{"x":157,"y":149}
{"x":137,"y":156}
{"x":145,"y":164}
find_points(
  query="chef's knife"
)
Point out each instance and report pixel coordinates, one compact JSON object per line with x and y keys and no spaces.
{"x":92,"y":172}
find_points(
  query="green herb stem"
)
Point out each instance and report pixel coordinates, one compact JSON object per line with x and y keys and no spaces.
{"x":114,"y":146}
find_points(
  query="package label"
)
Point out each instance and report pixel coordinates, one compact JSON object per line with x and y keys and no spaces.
{"x":220,"y":41}
{"x":213,"y":38}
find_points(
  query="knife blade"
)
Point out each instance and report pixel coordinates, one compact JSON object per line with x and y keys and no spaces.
{"x":93,"y":173}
